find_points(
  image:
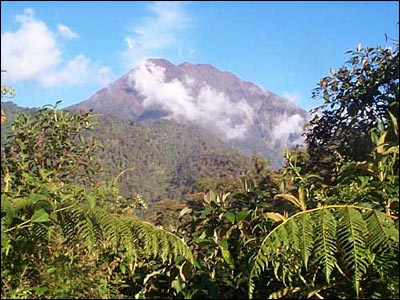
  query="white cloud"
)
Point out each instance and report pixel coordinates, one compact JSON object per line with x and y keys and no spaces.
{"x":77,"y":71}
{"x":31,"y":50}
{"x":292,"y":97}
{"x":288,"y":126}
{"x":208,"y":107}
{"x":158,"y":33}
{"x":67,"y":32}
{"x":32,"y":53}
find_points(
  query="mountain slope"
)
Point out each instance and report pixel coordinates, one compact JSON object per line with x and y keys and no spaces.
{"x":244,"y":115}
{"x":167,"y":160}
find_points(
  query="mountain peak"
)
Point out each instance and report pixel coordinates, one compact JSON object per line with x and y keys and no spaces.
{"x":185,"y":64}
{"x":243,"y":114}
{"x":161,"y":62}
{"x":158,"y":61}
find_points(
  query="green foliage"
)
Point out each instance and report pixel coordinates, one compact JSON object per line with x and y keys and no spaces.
{"x":341,"y":242}
{"x":321,"y":227}
{"x":51,"y":216}
{"x":168,"y":161}
{"x":46,"y":146}
{"x":223,"y":231}
{"x":331,"y":249}
{"x":361,"y":94}
{"x":344,"y":241}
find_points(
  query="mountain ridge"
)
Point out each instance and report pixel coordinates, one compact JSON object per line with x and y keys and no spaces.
{"x":244,"y":115}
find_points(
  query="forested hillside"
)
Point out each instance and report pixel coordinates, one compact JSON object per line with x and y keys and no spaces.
{"x":165,"y":160}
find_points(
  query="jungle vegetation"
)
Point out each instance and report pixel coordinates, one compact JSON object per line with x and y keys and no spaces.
{"x":323,"y":226}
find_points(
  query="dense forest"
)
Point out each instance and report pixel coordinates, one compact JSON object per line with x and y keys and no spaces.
{"x":323,"y":226}
{"x":168,"y":160}
{"x":156,"y":160}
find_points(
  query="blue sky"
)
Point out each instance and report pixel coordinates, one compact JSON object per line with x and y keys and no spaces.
{"x":69,"y":50}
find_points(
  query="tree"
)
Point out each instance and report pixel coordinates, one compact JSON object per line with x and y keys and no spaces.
{"x":361,"y":94}
{"x":344,"y":241}
{"x":57,"y":239}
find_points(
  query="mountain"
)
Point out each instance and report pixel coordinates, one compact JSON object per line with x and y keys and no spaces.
{"x":242,"y":114}
{"x":167,"y":160}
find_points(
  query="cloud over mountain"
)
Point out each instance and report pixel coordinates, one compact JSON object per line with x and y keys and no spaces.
{"x":206,"y":106}
{"x":244,"y":115}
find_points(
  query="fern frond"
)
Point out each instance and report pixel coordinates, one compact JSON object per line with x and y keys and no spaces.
{"x":165,"y":244}
{"x":283,"y":241}
{"x":306,"y":237}
{"x":39,"y":231}
{"x":381,"y":231}
{"x":108,"y":225}
{"x":325,"y":241}
{"x":97,"y":226}
{"x":351,"y":240}
{"x":330,"y":235}
{"x":86,"y":232}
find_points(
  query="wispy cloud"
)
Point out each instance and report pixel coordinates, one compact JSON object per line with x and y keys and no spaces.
{"x":32,"y":52}
{"x":77,"y":71}
{"x":287,"y":132}
{"x":67,"y":32}
{"x":159,"y":33}
{"x":292,"y":97}
{"x":208,"y":107}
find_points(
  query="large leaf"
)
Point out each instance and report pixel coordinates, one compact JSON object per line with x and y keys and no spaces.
{"x":40,"y":216}
{"x":226,"y":254}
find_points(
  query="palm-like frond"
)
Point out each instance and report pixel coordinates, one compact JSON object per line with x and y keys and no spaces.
{"x":97,"y":226}
{"x":306,"y":238}
{"x":32,"y":217}
{"x":326,"y":238}
{"x":382,"y":236}
{"x":325,"y":241}
{"x":351,"y":240}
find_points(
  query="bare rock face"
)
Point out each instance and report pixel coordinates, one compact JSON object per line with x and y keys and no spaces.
{"x":244,"y":115}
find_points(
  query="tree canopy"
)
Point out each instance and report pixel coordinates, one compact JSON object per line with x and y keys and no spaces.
{"x":358,"y":96}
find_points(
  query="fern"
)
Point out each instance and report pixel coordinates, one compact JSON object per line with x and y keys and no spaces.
{"x":351,"y":240}
{"x":325,"y":241}
{"x":338,"y":236}
{"x":382,"y":235}
{"x":96,"y":226}
{"x":306,"y":237}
